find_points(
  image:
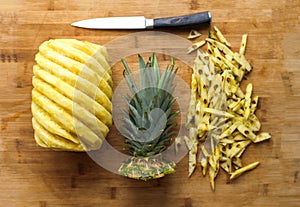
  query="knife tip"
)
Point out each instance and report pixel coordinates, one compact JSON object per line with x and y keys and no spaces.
{"x":75,"y":24}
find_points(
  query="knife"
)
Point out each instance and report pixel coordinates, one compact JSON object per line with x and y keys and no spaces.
{"x":140,"y":22}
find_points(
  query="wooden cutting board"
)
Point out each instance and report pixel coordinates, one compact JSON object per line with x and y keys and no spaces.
{"x":35,"y":177}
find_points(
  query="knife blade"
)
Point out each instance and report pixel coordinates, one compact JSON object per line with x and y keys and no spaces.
{"x":141,"y":22}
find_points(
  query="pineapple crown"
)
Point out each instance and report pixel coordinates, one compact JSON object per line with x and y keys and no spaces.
{"x":149,"y":119}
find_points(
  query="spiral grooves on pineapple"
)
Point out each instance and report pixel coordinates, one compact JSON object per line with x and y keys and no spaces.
{"x":71,"y":96}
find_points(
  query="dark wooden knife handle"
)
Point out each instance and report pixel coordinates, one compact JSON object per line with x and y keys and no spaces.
{"x":183,"y":21}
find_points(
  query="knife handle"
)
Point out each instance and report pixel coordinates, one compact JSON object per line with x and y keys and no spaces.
{"x":183,"y":21}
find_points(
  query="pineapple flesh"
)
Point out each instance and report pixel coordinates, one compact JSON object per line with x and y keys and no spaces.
{"x":71,"y":96}
{"x":148,"y":125}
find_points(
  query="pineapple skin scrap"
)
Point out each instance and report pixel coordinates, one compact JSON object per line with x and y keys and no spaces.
{"x":233,"y":128}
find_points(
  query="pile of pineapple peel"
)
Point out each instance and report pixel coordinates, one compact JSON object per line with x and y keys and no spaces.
{"x":221,"y":118}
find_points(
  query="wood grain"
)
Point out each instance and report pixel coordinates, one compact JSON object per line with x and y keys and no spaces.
{"x":35,"y":177}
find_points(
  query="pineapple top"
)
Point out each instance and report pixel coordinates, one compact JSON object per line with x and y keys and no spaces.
{"x":148,"y":122}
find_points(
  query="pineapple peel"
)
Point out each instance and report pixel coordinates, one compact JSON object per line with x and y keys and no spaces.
{"x":220,"y":113}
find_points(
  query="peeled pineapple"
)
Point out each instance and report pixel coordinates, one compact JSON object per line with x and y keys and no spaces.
{"x":71,"y":96}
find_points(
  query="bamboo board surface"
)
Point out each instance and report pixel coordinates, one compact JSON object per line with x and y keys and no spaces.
{"x":35,"y":177}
